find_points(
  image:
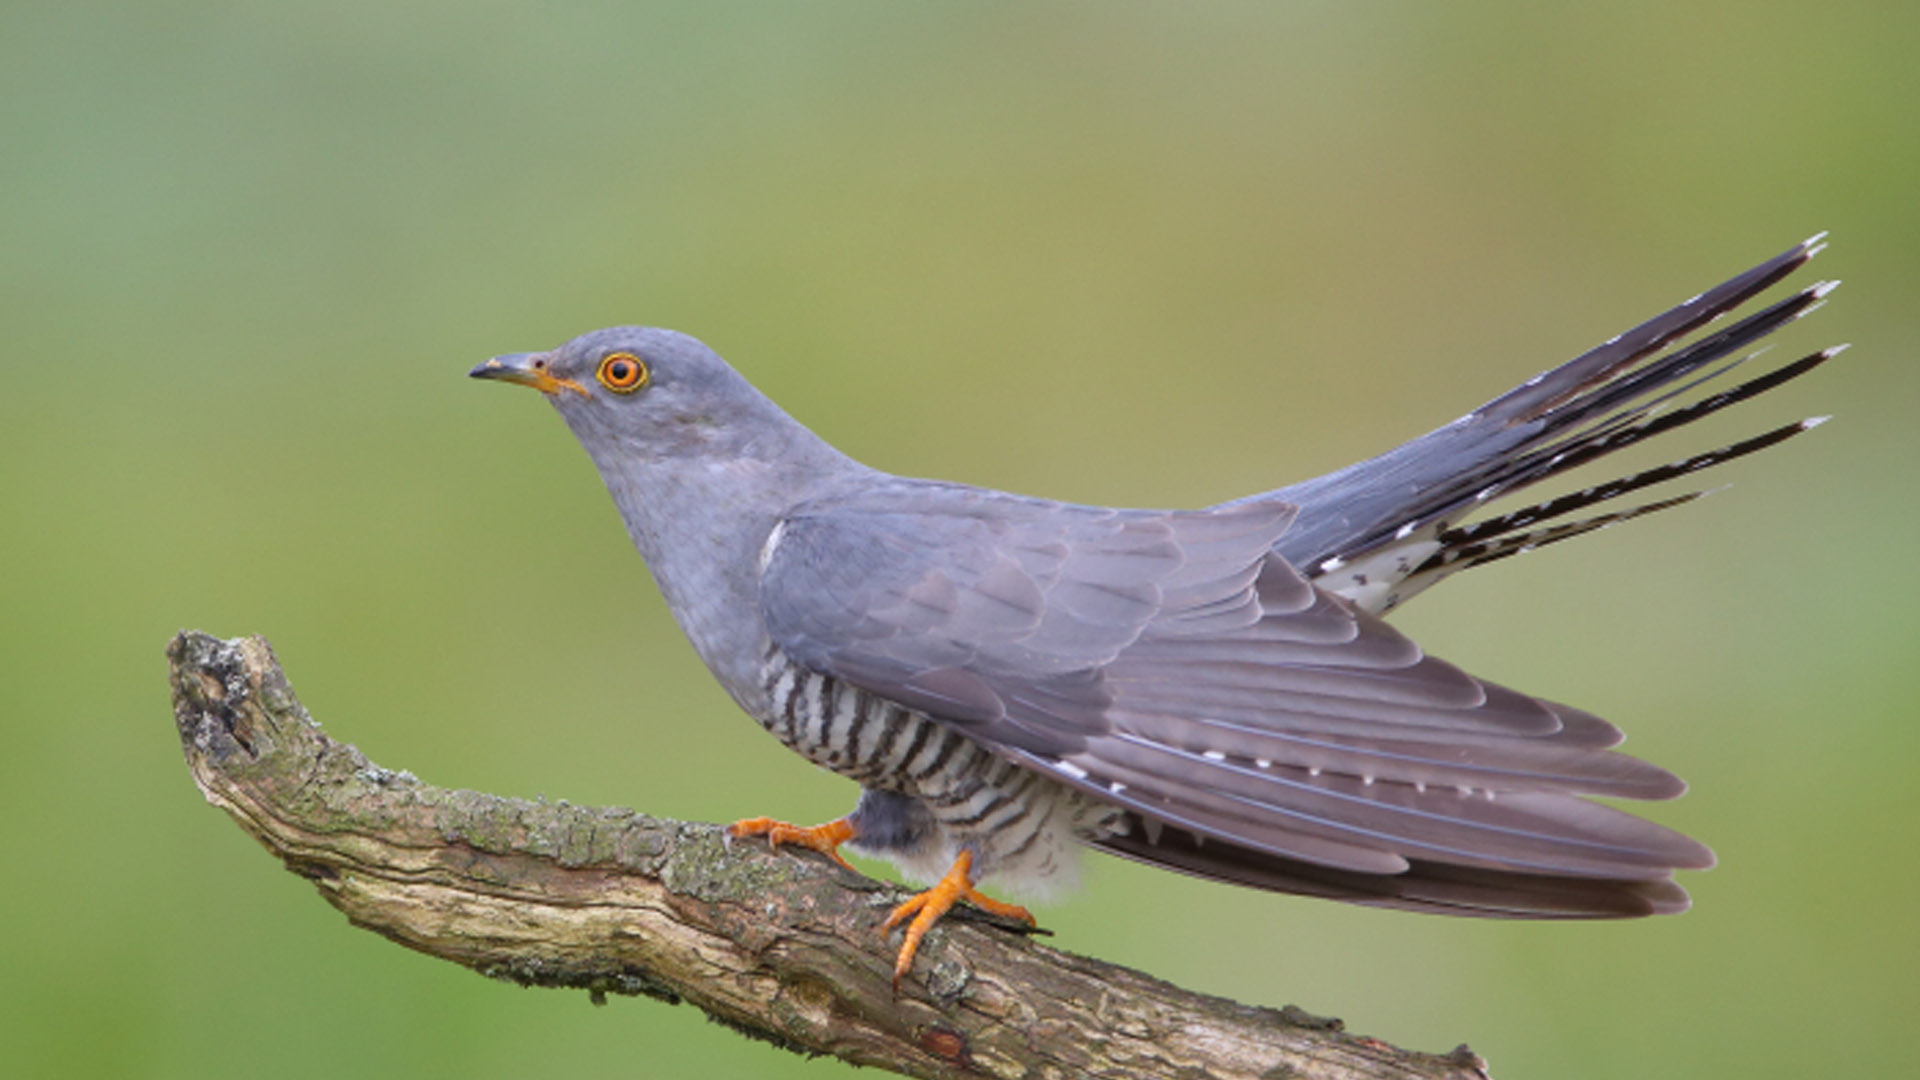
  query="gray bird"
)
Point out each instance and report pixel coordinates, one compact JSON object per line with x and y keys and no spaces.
{"x":1212,"y":691}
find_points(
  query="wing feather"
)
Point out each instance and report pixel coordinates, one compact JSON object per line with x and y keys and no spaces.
{"x":1171,"y":663}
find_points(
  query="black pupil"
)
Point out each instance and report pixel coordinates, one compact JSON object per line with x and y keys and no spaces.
{"x":621,"y":371}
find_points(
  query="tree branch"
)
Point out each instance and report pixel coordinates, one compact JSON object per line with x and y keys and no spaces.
{"x":783,"y":947}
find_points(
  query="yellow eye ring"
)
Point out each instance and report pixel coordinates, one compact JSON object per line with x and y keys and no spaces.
{"x":622,"y":372}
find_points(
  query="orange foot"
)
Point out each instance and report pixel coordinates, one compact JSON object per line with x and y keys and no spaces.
{"x":927,"y":907}
{"x":825,"y":839}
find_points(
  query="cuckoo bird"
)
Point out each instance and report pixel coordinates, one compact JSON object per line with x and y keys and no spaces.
{"x":1212,"y":691}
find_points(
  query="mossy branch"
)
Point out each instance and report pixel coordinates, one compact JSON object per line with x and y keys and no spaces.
{"x":782,"y":947}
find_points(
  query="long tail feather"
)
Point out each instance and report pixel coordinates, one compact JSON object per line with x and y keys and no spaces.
{"x":1382,"y":530}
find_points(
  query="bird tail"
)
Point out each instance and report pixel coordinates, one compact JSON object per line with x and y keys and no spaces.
{"x":1384,"y":529}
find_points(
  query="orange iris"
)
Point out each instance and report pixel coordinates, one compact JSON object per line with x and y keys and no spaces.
{"x":623,"y":373}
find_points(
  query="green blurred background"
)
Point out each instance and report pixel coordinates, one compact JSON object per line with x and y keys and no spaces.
{"x":248,"y":252}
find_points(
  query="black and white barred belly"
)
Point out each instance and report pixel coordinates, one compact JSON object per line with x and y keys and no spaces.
{"x":931,"y":791}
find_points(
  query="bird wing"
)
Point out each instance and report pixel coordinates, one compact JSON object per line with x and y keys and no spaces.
{"x":1173,"y":664}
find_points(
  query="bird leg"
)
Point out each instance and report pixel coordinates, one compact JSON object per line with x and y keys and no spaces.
{"x":926,"y":908}
{"x":825,"y":839}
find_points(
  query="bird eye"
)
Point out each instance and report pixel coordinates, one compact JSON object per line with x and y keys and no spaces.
{"x":622,"y":373}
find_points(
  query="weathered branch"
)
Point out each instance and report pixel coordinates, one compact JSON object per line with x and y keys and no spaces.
{"x":783,"y":947}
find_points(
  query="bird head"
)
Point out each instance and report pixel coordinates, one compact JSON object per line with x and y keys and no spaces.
{"x":644,"y":393}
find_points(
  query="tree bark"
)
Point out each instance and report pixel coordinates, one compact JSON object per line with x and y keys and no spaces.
{"x":783,"y":946}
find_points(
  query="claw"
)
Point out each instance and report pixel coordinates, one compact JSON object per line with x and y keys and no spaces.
{"x":927,"y":907}
{"x":825,"y":839}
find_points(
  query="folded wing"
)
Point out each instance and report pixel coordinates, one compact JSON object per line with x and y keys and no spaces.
{"x":1256,"y":727}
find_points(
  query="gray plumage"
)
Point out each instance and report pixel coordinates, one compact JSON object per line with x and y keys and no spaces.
{"x":1211,"y":690}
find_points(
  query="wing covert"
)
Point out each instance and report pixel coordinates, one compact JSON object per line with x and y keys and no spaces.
{"x":1000,"y":613}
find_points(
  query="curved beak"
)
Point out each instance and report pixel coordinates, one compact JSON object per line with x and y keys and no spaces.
{"x":527,"y":369}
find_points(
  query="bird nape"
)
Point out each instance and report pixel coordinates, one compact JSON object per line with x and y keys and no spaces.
{"x":1213,"y":691}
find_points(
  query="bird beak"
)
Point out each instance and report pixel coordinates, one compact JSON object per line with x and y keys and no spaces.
{"x":527,"y":369}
